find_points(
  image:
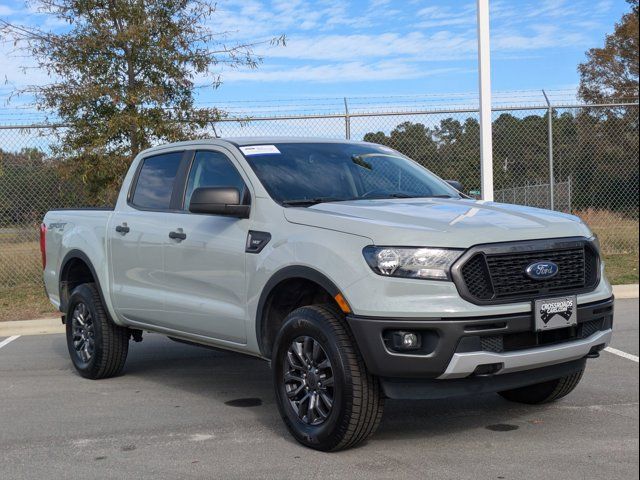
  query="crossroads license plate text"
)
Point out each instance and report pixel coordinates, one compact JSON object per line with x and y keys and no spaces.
{"x":554,"y":313}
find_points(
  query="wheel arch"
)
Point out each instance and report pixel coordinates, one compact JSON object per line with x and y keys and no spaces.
{"x":76,"y":268}
{"x":307,"y":279}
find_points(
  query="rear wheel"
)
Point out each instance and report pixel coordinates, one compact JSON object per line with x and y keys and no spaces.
{"x":98,"y":348}
{"x":544,"y":392}
{"x":325,"y":395}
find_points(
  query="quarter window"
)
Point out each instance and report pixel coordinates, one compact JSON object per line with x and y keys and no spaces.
{"x":155,"y":181}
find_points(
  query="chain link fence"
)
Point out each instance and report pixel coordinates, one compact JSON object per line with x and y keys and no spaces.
{"x":537,"y":195}
{"x":574,"y":158}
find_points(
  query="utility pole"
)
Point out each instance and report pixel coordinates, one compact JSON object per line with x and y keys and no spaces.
{"x":484,"y":75}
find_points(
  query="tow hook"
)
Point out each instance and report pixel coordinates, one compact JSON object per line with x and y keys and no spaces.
{"x":595,"y":351}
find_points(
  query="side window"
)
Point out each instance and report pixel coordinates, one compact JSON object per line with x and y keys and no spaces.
{"x":155,"y":181}
{"x":212,"y":169}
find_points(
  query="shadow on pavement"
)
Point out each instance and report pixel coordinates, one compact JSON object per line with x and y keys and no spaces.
{"x":244,"y":383}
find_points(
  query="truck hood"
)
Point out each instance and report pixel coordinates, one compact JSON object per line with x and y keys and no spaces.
{"x":438,"y":222}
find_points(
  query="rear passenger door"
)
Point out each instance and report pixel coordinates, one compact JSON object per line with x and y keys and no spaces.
{"x":137,"y":235}
{"x":205,"y":271}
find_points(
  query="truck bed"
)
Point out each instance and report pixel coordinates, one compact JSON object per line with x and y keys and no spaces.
{"x":81,"y":228}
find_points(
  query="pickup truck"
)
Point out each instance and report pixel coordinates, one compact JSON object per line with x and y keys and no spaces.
{"x":357,"y":273}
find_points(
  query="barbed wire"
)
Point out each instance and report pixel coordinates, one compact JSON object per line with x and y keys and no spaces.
{"x":357,"y":104}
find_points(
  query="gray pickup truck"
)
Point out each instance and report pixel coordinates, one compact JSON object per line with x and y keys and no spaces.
{"x":358,"y":274}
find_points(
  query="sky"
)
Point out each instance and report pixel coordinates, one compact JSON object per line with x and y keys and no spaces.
{"x":380,"y":48}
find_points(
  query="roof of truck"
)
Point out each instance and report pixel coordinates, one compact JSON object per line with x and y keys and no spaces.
{"x":242,"y":141}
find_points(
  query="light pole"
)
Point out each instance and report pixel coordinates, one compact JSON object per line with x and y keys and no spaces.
{"x":484,"y":75}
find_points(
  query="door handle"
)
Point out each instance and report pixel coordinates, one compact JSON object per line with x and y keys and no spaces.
{"x":124,"y":229}
{"x":177,"y":235}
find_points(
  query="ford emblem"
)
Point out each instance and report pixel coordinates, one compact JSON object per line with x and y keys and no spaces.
{"x":542,"y":270}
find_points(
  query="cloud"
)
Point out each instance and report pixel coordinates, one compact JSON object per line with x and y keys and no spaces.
{"x":6,"y":10}
{"x":442,"y":45}
{"x":338,"y":72}
{"x":338,"y":40}
{"x":542,"y":37}
{"x":439,"y":16}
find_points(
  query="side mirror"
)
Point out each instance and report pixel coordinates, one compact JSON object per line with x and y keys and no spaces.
{"x":455,"y":184}
{"x":218,"y":201}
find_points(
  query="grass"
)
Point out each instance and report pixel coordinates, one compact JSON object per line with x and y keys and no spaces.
{"x":618,"y":237}
{"x":621,"y":269}
{"x":22,"y":295}
{"x":617,"y":233}
{"x":25,"y":302}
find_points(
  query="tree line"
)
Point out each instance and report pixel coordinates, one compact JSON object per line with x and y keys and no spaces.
{"x":596,"y":148}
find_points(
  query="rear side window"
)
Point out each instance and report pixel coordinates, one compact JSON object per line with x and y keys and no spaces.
{"x":155,"y":181}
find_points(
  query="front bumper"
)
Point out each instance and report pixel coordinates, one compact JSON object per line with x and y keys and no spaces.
{"x":465,"y":364}
{"x":455,"y":347}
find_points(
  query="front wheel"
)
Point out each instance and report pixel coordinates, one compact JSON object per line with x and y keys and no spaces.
{"x":544,"y":392}
{"x":325,"y":395}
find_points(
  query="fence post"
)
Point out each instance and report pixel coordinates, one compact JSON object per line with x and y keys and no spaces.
{"x":347,"y":120}
{"x":552,"y":180}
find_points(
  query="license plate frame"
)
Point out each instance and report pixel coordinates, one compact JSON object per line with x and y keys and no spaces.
{"x":556,"y":312}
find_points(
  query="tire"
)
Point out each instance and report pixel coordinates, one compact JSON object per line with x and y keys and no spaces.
{"x":98,"y":348}
{"x":544,"y":392}
{"x":356,"y":398}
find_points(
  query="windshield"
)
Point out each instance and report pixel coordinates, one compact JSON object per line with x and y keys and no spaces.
{"x":309,"y":173}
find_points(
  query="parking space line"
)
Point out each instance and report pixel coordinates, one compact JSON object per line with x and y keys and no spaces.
{"x":7,"y":341}
{"x":622,"y":354}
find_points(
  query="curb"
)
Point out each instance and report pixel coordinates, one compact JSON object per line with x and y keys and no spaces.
{"x":54,"y":325}
{"x":626,"y":291}
{"x":31,"y":327}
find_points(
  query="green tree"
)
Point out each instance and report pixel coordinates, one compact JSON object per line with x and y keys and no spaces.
{"x":612,"y":71}
{"x":449,"y":149}
{"x":123,"y":75}
{"x":29,"y":186}
{"x":413,"y":139}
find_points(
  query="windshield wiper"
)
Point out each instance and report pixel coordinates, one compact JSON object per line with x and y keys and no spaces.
{"x":400,"y":195}
{"x":307,"y":202}
{"x":441,"y":196}
{"x":405,"y":195}
{"x":383,"y":195}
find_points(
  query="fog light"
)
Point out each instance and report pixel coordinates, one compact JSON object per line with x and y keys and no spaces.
{"x":405,"y":340}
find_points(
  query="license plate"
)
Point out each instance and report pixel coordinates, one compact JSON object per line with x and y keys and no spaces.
{"x":554,"y":313}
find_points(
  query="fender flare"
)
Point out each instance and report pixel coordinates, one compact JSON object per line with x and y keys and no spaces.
{"x":286,"y":273}
{"x":77,"y":255}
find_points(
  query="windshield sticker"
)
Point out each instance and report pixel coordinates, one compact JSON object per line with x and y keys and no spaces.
{"x":260,"y":150}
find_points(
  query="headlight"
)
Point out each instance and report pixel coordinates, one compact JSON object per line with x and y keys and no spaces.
{"x":425,"y":263}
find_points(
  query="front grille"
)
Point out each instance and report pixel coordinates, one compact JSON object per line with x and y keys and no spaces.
{"x":507,"y":272}
{"x":492,"y":343}
{"x":489,"y":275}
{"x":521,"y":340}
{"x":589,"y":328}
{"x":476,"y":276}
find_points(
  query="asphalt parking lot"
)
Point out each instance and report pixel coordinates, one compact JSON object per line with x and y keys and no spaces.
{"x":187,"y":412}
